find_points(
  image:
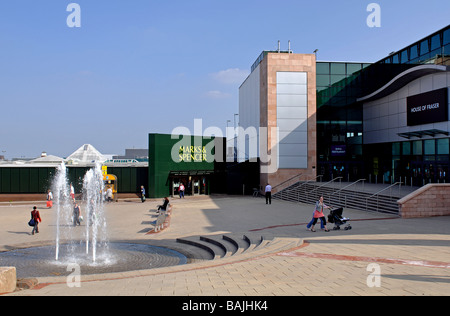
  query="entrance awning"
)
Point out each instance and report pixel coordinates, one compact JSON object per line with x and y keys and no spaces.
{"x":420,"y":134}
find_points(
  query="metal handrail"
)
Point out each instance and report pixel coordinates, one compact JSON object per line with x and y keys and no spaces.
{"x":298,"y":175}
{"x":389,"y":187}
{"x":378,"y":194}
{"x":338,"y":178}
{"x":306,"y":182}
{"x":348,"y":186}
{"x":298,"y":188}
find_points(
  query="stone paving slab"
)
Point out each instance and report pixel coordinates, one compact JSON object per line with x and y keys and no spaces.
{"x":413,"y":255}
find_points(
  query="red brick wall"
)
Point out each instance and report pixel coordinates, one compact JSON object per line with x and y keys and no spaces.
{"x":430,"y":200}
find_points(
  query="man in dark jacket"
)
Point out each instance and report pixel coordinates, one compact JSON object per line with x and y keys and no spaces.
{"x":37,"y":219}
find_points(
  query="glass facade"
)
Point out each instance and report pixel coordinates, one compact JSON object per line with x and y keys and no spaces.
{"x":415,"y":162}
{"x":340,"y":136}
{"x":434,"y":49}
{"x":339,"y":119}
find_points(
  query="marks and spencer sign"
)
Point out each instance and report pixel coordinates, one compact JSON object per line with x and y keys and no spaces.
{"x":192,"y":153}
{"x":426,"y":108}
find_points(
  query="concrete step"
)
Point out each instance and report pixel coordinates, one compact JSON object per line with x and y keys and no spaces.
{"x":238,"y":241}
{"x":216,"y":252}
{"x":229,"y":245}
{"x":310,"y":192}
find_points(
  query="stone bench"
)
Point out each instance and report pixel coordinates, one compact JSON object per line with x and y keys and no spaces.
{"x":8,"y":279}
{"x":163,"y":221}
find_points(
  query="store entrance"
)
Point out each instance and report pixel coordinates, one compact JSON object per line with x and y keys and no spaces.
{"x":193,"y":185}
{"x":424,"y":172}
{"x":349,"y":171}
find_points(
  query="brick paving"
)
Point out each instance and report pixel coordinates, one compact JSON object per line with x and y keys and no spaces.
{"x":412,"y":255}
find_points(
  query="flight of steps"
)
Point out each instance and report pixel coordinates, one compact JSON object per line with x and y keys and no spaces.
{"x":309,"y":193}
{"x":238,"y":246}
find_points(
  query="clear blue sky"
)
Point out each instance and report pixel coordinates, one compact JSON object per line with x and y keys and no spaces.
{"x":139,"y":66}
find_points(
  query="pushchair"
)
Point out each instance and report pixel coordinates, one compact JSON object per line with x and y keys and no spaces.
{"x":336,"y":218}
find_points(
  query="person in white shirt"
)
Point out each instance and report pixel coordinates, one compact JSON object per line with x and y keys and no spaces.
{"x":181,"y":189}
{"x":72,"y":192}
{"x":268,"y":194}
{"x":49,"y":199}
{"x":109,"y":194}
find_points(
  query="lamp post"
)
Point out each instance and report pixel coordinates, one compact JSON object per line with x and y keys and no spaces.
{"x":235,"y":137}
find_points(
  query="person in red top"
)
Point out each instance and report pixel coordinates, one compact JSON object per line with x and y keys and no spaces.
{"x":318,"y":213}
{"x":37,"y":219}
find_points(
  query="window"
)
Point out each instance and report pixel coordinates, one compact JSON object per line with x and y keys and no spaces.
{"x":323,"y":80}
{"x":436,"y":42}
{"x":424,"y":49}
{"x":406,"y":148}
{"x":323,"y":68}
{"x":395,"y":59}
{"x":442,"y":146}
{"x":338,"y":78}
{"x":417,"y":148}
{"x":352,"y":68}
{"x":338,"y":68}
{"x":446,"y":37}
{"x":404,"y":56}
{"x":413,"y":52}
{"x":395,"y":149}
{"x":430,"y":147}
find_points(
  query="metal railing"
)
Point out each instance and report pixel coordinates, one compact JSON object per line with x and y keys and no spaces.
{"x":297,"y":190}
{"x":377,"y":195}
{"x":344,"y":188}
{"x":323,"y":185}
{"x":288,"y":180}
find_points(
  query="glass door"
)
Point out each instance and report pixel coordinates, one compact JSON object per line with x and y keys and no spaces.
{"x":417,"y":173}
{"x":442,"y":173}
{"x":196,"y":184}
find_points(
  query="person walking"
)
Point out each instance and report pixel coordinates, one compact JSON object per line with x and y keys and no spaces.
{"x":36,"y":217}
{"x":142,"y":194}
{"x":109,"y":194}
{"x":76,"y":215}
{"x":268,"y":194}
{"x":318,"y":213}
{"x":72,"y":192}
{"x":308,"y":227}
{"x":49,"y":199}
{"x":181,"y":190}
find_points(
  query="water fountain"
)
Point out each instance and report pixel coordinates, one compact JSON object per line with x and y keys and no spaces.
{"x":93,"y":188}
{"x":60,"y":190}
{"x":67,"y":233}
{"x":88,"y":245}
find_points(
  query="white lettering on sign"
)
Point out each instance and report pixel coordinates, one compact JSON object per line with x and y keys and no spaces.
{"x":433,"y":106}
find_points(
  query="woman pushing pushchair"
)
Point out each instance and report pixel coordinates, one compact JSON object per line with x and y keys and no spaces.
{"x":318,"y":214}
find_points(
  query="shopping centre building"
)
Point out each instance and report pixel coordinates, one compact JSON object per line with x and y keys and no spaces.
{"x":384,"y":122}
{"x":298,"y":117}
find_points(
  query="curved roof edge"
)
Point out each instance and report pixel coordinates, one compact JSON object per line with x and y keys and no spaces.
{"x":403,"y":79}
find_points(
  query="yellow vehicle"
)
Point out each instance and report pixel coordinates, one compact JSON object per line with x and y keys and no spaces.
{"x":110,"y":181}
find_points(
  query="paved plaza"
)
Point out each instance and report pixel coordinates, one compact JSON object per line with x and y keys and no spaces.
{"x":382,"y":255}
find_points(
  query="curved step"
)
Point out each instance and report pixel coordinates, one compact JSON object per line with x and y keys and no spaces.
{"x":227,"y":247}
{"x":215,"y":251}
{"x":238,"y":241}
{"x":232,"y":245}
{"x":257,"y":241}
